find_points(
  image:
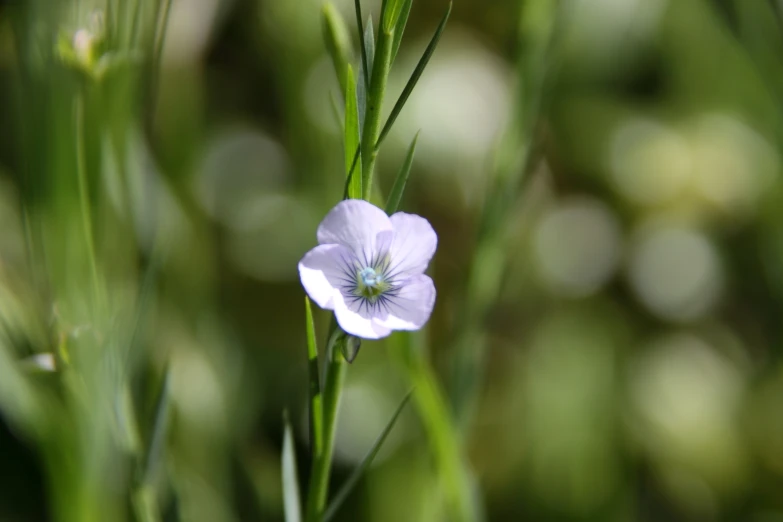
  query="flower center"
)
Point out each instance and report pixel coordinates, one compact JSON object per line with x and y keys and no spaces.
{"x":369,"y":277}
{"x":370,"y":284}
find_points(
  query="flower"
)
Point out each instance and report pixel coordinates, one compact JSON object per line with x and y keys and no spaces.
{"x":369,"y":268}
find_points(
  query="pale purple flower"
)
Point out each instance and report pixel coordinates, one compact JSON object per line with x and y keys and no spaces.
{"x":369,"y":268}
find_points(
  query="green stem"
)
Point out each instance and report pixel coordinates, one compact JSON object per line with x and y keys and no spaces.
{"x":372,"y":118}
{"x":439,"y":427}
{"x":158,"y":42}
{"x":322,"y":464}
{"x":84,"y":201}
{"x":145,"y":505}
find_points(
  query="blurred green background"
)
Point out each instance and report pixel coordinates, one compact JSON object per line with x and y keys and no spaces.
{"x":605,"y":180}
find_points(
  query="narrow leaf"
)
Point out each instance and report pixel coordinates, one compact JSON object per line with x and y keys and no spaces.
{"x":361,"y":98}
{"x":352,"y":172}
{"x":338,"y":117}
{"x":362,"y":43}
{"x":157,"y":437}
{"x":337,"y":41}
{"x":352,"y":135}
{"x":128,"y":432}
{"x":400,"y":26}
{"x":406,"y":92}
{"x":392,"y":14}
{"x":369,"y":45}
{"x":366,"y":73}
{"x":393,"y":203}
{"x":316,"y":408}
{"x":384,"y":10}
{"x":291,"y":503}
{"x":345,"y":491}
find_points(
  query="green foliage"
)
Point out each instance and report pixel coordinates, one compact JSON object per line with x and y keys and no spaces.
{"x":333,"y":385}
{"x":352,"y":137}
{"x":365,"y":53}
{"x":292,"y":503}
{"x":392,"y":12}
{"x":417,"y":72}
{"x":337,"y":41}
{"x":353,"y":171}
{"x":357,"y":474}
{"x":395,"y":196}
{"x":605,"y":183}
{"x":365,"y":72}
{"x":314,"y":378}
{"x":400,"y":23}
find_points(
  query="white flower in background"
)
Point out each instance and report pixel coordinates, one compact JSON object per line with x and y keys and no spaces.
{"x":369,"y":268}
{"x":84,"y":46}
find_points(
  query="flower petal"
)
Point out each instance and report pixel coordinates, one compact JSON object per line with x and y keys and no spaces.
{"x":413,"y":245}
{"x":410,"y":309}
{"x":352,"y":320}
{"x":355,"y":224}
{"x":324,"y":270}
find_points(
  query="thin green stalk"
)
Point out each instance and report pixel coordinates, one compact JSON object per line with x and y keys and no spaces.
{"x":319,"y":479}
{"x":434,"y":413}
{"x":516,"y":158}
{"x":292,"y":504}
{"x":134,"y":33}
{"x":349,"y":485}
{"x":84,"y":201}
{"x":144,"y":505}
{"x":159,"y":33}
{"x":316,"y":410}
{"x":158,"y":42}
{"x":372,"y":118}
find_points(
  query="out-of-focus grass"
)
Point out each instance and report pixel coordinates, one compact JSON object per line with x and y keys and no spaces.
{"x":626,"y":306}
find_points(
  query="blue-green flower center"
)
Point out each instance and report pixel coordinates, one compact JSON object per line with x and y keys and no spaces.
{"x":370,"y":283}
{"x":369,"y":277}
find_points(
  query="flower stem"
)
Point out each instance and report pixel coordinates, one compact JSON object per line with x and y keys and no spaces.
{"x":322,"y":463}
{"x":372,"y":119}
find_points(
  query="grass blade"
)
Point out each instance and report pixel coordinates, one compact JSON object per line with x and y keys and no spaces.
{"x":338,"y":118}
{"x":159,"y":428}
{"x":337,"y":41}
{"x":352,"y":172}
{"x":362,"y":42}
{"x":393,"y":203}
{"x":352,"y":136}
{"x":145,"y":502}
{"x":400,"y":26}
{"x":369,"y":45}
{"x":406,"y":92}
{"x":291,"y":502}
{"x":359,"y":471}
{"x":433,"y":410}
{"x":313,"y":373}
{"x":392,"y":14}
{"x":361,"y":97}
